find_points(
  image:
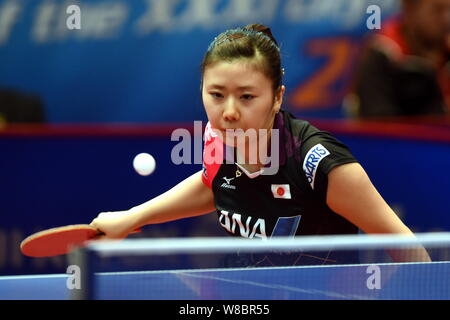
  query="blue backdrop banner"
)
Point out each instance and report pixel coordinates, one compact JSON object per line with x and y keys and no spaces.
{"x":138,"y":61}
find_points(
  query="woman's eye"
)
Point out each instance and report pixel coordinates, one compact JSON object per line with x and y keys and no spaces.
{"x":247,"y":97}
{"x":216,"y":95}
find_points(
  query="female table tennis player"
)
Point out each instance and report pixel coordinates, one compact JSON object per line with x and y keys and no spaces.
{"x":319,"y":187}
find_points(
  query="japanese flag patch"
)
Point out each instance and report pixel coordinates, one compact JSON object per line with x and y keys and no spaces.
{"x":281,"y":191}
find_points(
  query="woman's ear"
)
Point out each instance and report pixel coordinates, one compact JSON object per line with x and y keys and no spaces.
{"x":278,"y":101}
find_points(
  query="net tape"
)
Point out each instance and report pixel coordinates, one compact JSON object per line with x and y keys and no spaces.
{"x":164,"y":246}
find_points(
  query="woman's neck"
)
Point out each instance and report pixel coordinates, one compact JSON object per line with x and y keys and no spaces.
{"x":246,"y":156}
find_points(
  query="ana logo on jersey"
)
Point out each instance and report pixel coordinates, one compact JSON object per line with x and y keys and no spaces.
{"x":286,"y":226}
{"x":227,"y":184}
{"x":312,"y":160}
{"x":253,"y":228}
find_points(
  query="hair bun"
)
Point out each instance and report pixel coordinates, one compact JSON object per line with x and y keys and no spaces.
{"x":261,"y":28}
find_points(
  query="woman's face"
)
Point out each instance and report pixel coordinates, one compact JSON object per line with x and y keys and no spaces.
{"x":236,"y":95}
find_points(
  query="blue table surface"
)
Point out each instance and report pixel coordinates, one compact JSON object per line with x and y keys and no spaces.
{"x":397,"y":281}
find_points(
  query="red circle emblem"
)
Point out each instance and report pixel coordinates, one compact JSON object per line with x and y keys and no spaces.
{"x":280,"y":191}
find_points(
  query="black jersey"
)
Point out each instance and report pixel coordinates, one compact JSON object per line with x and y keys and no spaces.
{"x":291,"y":202}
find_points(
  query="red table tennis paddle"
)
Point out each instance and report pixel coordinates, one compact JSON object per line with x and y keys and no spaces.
{"x":58,"y":241}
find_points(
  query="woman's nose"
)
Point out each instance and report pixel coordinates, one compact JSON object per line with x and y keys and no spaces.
{"x":231,"y":112}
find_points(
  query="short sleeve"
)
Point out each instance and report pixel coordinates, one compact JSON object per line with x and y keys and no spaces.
{"x":205,"y":178}
{"x":320,"y":153}
{"x":212,"y":155}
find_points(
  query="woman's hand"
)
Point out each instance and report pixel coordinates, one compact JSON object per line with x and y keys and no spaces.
{"x":115,"y":225}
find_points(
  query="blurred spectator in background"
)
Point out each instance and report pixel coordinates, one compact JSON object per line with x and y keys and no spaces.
{"x":18,"y":107}
{"x":404,"y":69}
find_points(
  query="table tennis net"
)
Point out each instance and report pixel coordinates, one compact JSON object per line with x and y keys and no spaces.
{"x":188,"y":253}
{"x":199,"y":262}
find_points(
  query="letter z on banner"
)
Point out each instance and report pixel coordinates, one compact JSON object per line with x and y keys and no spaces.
{"x":312,"y":160}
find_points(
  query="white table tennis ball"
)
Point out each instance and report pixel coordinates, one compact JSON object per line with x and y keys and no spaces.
{"x":144,"y":164}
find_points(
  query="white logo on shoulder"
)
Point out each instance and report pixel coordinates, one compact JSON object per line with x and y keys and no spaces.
{"x":209,"y":133}
{"x":227,"y":184}
{"x":312,"y":160}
